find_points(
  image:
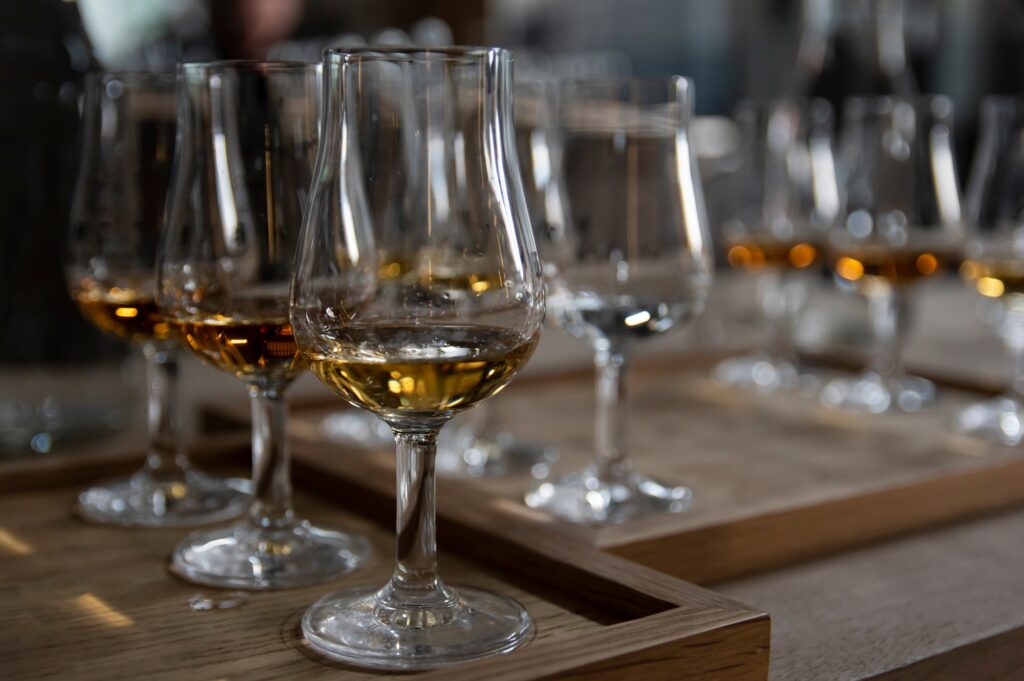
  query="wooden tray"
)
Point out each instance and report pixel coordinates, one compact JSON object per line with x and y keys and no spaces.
{"x":777,"y":479}
{"x":92,"y":602}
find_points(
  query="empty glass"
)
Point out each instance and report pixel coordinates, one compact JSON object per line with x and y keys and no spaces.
{"x":247,"y":141}
{"x":994,"y":265}
{"x":117,"y":219}
{"x":418,"y":293}
{"x":634,"y":262}
{"x":900,"y":223}
{"x":786,"y":200}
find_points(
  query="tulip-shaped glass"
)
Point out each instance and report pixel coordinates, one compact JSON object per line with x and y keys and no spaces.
{"x":117,"y":219}
{"x":994,"y":264}
{"x":247,"y":139}
{"x":418,"y":293}
{"x":900,"y":223}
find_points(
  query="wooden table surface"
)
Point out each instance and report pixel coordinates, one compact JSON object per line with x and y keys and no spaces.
{"x":943,"y":605}
{"x":86,"y":623}
{"x":84,"y":601}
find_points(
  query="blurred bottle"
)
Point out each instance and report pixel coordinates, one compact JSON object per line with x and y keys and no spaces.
{"x":60,"y":379}
{"x":852,"y":47}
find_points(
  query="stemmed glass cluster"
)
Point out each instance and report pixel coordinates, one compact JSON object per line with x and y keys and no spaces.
{"x":116,"y":223}
{"x":365,"y":219}
{"x":886,"y":214}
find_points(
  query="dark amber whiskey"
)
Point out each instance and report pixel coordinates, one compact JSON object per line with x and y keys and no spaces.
{"x":243,"y":347}
{"x":757,"y":254}
{"x":994,"y":277}
{"x":126,"y":313}
{"x":865,"y":266}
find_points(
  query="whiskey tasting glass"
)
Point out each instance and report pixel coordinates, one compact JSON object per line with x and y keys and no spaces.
{"x":634,"y":262}
{"x":787,"y":199}
{"x":479,"y":445}
{"x":417,"y":172}
{"x":900,"y":223}
{"x":116,"y":221}
{"x":244,"y":160}
{"x":994,"y":264}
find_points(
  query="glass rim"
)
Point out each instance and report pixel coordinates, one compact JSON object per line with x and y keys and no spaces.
{"x":1010,"y":98}
{"x":769,"y":103}
{"x":469,"y":54}
{"x":990,"y":103}
{"x":619,"y":81}
{"x":131,"y":76}
{"x":250,"y":65}
{"x":882,"y":104}
{"x":816,"y":109}
{"x":681,"y":86}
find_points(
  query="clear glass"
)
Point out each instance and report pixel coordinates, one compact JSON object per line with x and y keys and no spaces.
{"x":478,"y":445}
{"x":247,"y":138}
{"x":994,"y":258}
{"x":787,"y":198}
{"x":634,"y":261}
{"x":117,"y":218}
{"x":418,"y":293}
{"x":900,"y":223}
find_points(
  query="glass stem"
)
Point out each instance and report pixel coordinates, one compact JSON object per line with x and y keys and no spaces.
{"x":611,"y":420}
{"x":778,"y":311}
{"x":1011,"y":330}
{"x":415,"y":576}
{"x":271,"y":480}
{"x":166,"y":457}
{"x":887,"y":310}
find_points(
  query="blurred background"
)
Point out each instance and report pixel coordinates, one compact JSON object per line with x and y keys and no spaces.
{"x":54,"y":363}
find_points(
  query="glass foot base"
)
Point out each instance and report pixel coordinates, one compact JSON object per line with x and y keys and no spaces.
{"x":243,"y":556}
{"x":359,"y":429}
{"x":583,"y":498}
{"x":193,"y":498}
{"x":760,"y":372}
{"x":999,"y":420}
{"x":357,"y":626}
{"x":875,"y":394}
{"x":501,"y":457}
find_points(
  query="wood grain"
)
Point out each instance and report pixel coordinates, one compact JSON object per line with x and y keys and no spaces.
{"x":945,"y":605}
{"x":90,"y":602}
